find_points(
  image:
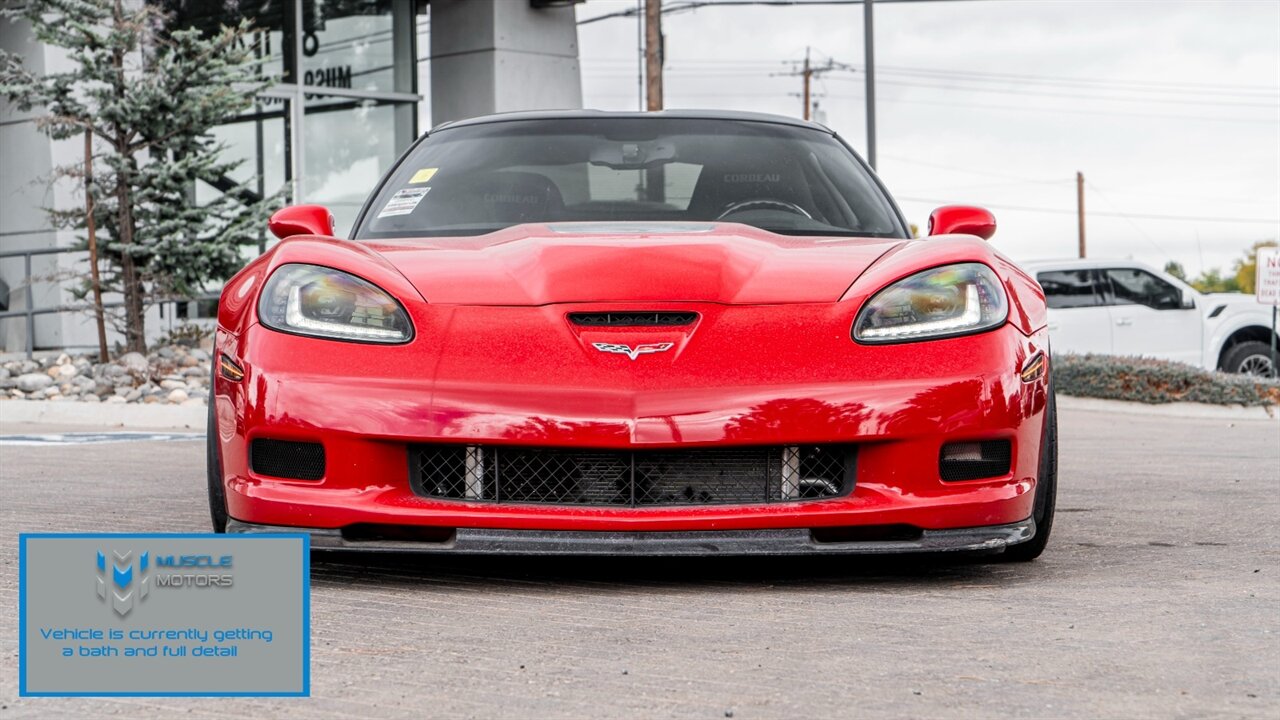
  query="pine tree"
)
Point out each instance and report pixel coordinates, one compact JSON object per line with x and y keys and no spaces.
{"x":151,"y":96}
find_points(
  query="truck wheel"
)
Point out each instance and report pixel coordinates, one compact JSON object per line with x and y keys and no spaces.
{"x":1250,"y":358}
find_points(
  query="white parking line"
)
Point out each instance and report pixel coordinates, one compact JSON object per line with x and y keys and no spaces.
{"x":95,"y":438}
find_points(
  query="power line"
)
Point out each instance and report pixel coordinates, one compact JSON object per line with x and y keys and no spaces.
{"x":678,"y":7}
{"x":748,"y":66}
{"x":970,"y":171}
{"x":834,"y":66}
{"x":1140,"y":85}
{"x":1145,"y":216}
{"x":1128,"y":219}
{"x":988,"y":186}
{"x":1104,"y":98}
{"x":982,"y":106}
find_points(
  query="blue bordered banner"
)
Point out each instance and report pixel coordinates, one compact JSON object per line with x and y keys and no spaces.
{"x":164,"y":615}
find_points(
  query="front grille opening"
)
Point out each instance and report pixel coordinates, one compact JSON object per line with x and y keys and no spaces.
{"x":866,"y":533}
{"x":642,"y":478}
{"x":373,"y":532}
{"x":974,"y":460}
{"x":633,"y":319}
{"x":287,"y":459}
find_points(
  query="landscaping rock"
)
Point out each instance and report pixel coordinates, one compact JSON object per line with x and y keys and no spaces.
{"x":135,"y":363}
{"x":173,"y":374}
{"x":33,"y":382}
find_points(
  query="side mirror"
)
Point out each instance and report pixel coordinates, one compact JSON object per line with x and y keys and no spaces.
{"x":964,"y":219}
{"x":1188,"y":300}
{"x":301,"y":220}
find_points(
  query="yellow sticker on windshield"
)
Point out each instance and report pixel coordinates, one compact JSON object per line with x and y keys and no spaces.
{"x":422,"y":176}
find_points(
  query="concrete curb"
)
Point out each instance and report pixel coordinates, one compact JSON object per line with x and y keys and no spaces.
{"x":106,"y":415}
{"x":1179,"y":409}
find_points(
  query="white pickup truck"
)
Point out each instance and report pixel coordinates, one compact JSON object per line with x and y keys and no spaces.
{"x":1120,"y":307}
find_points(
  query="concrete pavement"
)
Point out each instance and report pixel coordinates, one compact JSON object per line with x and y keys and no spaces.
{"x":1159,"y":597}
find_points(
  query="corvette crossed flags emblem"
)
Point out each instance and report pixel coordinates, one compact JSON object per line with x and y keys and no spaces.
{"x":631,"y":352}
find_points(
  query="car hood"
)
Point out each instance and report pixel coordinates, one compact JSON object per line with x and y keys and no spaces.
{"x":632,"y":262}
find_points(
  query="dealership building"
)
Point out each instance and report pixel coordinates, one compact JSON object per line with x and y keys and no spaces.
{"x":354,"y":82}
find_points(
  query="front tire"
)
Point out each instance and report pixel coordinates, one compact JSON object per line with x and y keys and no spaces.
{"x":1249,"y":358}
{"x":1046,"y":489}
{"x":213,"y":465}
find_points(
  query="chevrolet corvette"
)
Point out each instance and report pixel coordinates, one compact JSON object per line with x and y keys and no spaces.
{"x":673,"y":333}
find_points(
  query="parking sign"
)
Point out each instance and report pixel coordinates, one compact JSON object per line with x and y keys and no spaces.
{"x":1268,"y":278}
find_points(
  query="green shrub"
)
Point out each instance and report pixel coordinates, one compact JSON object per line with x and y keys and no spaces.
{"x":1157,"y":381}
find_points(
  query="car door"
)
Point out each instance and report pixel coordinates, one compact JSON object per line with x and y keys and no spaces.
{"x":1148,"y":317}
{"x":1079,"y":321}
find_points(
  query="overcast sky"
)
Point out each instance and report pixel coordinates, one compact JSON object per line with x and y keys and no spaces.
{"x":1168,"y":108}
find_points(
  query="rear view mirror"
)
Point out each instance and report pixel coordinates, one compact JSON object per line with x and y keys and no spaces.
{"x":1188,"y":300}
{"x":301,"y":220}
{"x":962,"y":219}
{"x":629,"y":155}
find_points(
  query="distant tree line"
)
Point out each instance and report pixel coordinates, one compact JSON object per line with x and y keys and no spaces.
{"x":1243,"y":273}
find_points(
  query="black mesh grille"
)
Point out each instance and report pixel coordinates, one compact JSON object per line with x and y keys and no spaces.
{"x":974,"y":460}
{"x":642,"y":478}
{"x":285,"y":459}
{"x":633,"y":319}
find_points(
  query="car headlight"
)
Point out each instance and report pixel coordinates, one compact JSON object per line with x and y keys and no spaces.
{"x":942,"y":302}
{"x":323,"y":302}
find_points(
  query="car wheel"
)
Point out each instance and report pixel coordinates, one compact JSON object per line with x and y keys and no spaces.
{"x":1250,"y":358}
{"x":1046,"y":489}
{"x":213,"y":467}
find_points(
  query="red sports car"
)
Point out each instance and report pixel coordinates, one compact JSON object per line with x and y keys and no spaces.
{"x":665,"y":333}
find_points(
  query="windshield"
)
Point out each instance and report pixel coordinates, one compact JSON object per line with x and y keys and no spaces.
{"x":476,"y":179}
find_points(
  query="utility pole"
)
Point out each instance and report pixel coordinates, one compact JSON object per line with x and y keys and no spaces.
{"x":653,"y":53}
{"x":1080,"y":208}
{"x":868,"y":45}
{"x":807,"y":73}
{"x":93,"y":246}
{"x":640,"y":56}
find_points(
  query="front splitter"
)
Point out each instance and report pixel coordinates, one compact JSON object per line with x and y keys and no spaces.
{"x":799,"y":541}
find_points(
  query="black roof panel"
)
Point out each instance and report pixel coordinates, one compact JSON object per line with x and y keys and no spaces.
{"x":678,"y":114}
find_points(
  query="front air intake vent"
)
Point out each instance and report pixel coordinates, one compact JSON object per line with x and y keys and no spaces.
{"x":286,"y":459}
{"x":974,"y":460}
{"x":633,"y":319}
{"x":631,"y":478}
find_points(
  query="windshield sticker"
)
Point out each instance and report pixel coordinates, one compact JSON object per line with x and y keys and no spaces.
{"x":404,"y":202}
{"x":422,"y":175}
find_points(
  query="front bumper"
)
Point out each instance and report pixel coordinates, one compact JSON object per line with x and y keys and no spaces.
{"x":793,"y":541}
{"x":504,"y":381}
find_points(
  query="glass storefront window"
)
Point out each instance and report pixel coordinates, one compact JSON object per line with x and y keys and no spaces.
{"x":271,"y":41}
{"x":349,"y":145}
{"x":346,"y":143}
{"x":259,"y":139}
{"x":358,"y":44}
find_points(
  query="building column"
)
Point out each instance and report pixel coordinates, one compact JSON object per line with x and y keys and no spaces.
{"x":492,"y":56}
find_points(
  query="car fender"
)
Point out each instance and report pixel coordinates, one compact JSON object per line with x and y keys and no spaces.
{"x":1235,"y":317}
